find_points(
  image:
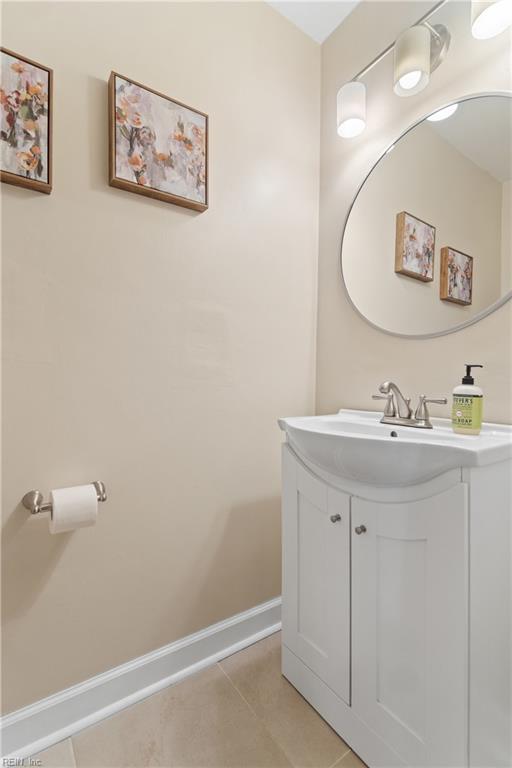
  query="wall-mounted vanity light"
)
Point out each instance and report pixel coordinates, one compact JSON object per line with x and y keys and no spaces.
{"x":490,"y":18}
{"x":412,"y":61}
{"x":417,"y":53}
{"x":351,"y":109}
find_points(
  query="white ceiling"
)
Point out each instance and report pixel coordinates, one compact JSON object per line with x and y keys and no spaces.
{"x":317,"y":18}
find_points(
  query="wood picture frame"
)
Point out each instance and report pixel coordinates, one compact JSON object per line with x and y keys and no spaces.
{"x":414,"y":247}
{"x":158,"y":146}
{"x":457,"y":272}
{"x":27,"y":122}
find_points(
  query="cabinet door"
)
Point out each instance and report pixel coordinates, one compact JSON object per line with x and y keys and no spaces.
{"x":410,"y":625}
{"x":316,"y":575}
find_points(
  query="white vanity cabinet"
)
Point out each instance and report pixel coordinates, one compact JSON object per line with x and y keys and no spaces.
{"x":316,"y":566}
{"x":380,"y":630}
{"x":410,"y":624}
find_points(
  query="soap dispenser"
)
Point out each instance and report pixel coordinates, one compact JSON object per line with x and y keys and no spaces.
{"x":467,"y":405}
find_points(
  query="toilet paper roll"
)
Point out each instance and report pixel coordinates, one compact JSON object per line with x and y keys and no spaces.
{"x":73,"y":508}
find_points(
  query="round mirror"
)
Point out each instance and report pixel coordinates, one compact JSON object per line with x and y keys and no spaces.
{"x":426,"y":248}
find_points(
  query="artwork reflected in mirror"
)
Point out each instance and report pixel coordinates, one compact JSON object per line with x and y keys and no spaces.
{"x":414,"y":251}
{"x":452,"y":184}
{"x":456,"y":276}
{"x":25,"y":120}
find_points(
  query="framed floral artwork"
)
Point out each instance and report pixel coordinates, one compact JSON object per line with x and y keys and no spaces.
{"x":456,"y":277}
{"x":414,"y":247}
{"x":26,"y":93}
{"x":157,"y":146}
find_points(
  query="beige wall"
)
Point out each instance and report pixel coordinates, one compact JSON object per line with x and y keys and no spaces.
{"x":429,"y":178}
{"x":151,"y":347}
{"x":353,"y":358}
{"x":154,"y":348}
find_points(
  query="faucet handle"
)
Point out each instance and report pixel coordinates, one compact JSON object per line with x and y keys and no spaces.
{"x":422,"y":413}
{"x":390,"y":408}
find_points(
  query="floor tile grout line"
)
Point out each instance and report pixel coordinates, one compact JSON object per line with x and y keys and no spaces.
{"x":240,"y":693}
{"x":338,"y":759}
{"x":258,"y":718}
{"x":343,"y":756}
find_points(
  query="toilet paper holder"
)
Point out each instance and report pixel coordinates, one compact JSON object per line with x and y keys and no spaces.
{"x":33,"y":500}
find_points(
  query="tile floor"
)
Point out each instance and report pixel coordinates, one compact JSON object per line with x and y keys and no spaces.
{"x":240,"y":713}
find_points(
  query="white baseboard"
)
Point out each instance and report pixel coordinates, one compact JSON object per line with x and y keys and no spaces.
{"x":40,"y":725}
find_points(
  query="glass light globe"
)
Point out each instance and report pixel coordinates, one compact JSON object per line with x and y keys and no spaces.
{"x":410,"y":80}
{"x":351,"y":127}
{"x":442,"y":114}
{"x":492,"y":19}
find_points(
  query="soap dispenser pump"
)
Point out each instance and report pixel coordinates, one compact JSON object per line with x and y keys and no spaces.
{"x":467,"y":405}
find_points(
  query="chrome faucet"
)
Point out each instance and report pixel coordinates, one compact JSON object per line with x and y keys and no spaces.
{"x":403,"y":404}
{"x":398,"y":408}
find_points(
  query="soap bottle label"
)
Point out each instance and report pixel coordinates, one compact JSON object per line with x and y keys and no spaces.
{"x":467,"y":411}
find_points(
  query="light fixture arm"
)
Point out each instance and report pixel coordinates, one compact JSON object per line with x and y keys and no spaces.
{"x":433,"y":30}
{"x":373,"y":63}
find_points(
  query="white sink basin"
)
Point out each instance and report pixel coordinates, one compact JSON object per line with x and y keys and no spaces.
{"x":354,"y":445}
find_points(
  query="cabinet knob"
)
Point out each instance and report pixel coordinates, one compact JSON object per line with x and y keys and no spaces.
{"x":360,"y":529}
{"x":335,"y":518}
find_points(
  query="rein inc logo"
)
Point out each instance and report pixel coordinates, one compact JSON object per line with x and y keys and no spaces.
{"x":20,"y":762}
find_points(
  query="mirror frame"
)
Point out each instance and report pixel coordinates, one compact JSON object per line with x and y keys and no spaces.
{"x":435,"y":334}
